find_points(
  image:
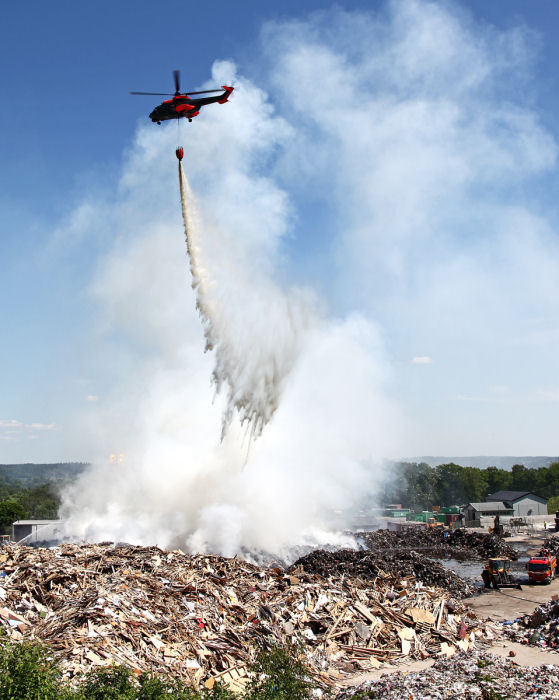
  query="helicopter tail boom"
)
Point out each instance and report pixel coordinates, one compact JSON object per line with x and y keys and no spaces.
{"x":225,"y":96}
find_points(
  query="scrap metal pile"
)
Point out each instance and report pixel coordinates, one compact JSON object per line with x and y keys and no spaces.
{"x":551,"y":544}
{"x":540,"y":628}
{"x":466,"y":676}
{"x":368,"y":566}
{"x":437,"y":542}
{"x":204,"y":617}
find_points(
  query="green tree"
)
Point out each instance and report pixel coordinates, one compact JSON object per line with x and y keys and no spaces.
{"x":450,"y":484}
{"x":29,"y":672}
{"x":475,"y":484}
{"x":279,"y":674}
{"x":522,"y":478}
{"x":10,"y":511}
{"x":553,"y":505}
{"x":41,"y":502}
{"x":497,"y":480}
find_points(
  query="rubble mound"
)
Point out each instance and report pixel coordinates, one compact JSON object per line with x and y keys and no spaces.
{"x":552,"y":545}
{"x":459,"y":543}
{"x":540,"y":628}
{"x":371,"y":567}
{"x":474,"y":675}
{"x":203,"y":618}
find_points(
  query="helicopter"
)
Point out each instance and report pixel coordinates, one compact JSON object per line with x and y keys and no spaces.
{"x":181,"y":104}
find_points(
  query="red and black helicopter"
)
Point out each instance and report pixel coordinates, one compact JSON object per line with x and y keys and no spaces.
{"x":181,"y":104}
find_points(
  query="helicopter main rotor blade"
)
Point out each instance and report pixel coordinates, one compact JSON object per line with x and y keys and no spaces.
{"x":202,"y":92}
{"x":199,"y":92}
{"x":177,"y":77}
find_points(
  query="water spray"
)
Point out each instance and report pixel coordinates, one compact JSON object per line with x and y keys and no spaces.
{"x":252,"y":386}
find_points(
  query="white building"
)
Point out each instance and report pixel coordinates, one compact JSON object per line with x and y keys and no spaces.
{"x":473,"y":512}
{"x":523,"y":503}
{"x":35,"y":530}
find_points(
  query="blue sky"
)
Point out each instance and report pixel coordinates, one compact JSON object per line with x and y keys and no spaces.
{"x":471,"y":374}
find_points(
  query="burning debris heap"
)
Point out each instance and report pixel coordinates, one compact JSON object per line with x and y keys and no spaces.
{"x":438,"y":542}
{"x":203,"y":617}
{"x":370,"y":566}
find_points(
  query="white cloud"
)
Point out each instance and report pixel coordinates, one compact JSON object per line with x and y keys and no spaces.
{"x":92,"y":398}
{"x":546,"y":395}
{"x":424,"y":146}
{"x":422,"y":360}
{"x":479,"y":399}
{"x":12,"y":430}
{"x":10,"y":423}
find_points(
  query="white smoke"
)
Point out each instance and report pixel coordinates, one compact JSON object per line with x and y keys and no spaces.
{"x":407,"y":133}
{"x":178,"y":483}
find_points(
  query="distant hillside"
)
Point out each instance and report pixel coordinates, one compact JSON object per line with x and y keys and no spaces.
{"x":483,"y":462}
{"x":41,"y":473}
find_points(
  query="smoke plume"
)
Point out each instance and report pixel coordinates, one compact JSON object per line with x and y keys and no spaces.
{"x":383,"y":209}
{"x":318,"y":382}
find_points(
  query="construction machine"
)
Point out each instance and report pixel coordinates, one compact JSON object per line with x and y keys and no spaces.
{"x":497,"y":574}
{"x":433,"y":522}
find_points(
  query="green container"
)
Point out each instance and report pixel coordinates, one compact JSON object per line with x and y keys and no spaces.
{"x":441,"y":517}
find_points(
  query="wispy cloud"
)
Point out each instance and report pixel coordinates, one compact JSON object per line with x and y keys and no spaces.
{"x":12,"y":430}
{"x":439,"y":173}
{"x":478,"y":399}
{"x":92,"y":398}
{"x":422,"y":360}
{"x":546,"y":395}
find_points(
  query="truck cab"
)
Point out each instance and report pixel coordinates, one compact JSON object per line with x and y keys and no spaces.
{"x":542,"y":568}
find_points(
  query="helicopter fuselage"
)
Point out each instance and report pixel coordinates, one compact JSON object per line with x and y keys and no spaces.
{"x":184,"y":106}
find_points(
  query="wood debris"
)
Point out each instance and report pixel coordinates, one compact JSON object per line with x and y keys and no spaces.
{"x":203,"y":618}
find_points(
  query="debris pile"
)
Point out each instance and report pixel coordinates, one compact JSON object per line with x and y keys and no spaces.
{"x":438,"y":542}
{"x":551,"y":544}
{"x":204,"y":617}
{"x":369,"y":566}
{"x":468,"y":676}
{"x":540,"y":628}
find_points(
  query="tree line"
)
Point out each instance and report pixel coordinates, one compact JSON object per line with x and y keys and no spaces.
{"x":20,"y":502}
{"x":419,"y":486}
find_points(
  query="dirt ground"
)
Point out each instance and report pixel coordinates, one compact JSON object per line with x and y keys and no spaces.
{"x":509,"y":603}
{"x":506,"y":604}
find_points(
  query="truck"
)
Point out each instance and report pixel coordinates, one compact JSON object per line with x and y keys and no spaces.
{"x":542,"y":568}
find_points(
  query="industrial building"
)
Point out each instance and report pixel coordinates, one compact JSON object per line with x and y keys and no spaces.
{"x":473,"y":512}
{"x":523,"y":503}
{"x":36,"y":530}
